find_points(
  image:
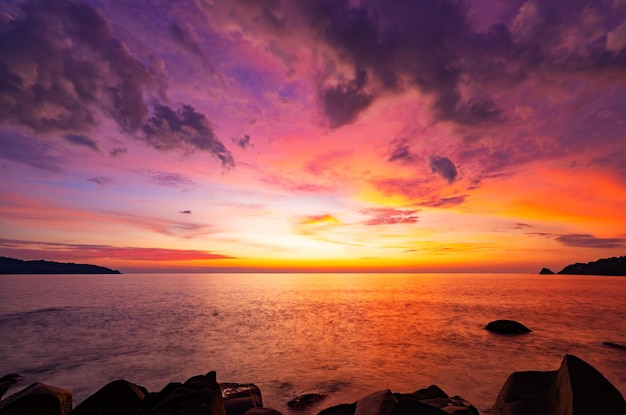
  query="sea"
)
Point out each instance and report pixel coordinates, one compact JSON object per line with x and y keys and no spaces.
{"x":341,"y":335}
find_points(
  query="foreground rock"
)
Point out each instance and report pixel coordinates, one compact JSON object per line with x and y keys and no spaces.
{"x":199,"y":395}
{"x":7,"y":381}
{"x":118,"y":397}
{"x":507,"y":327}
{"x":38,"y":399}
{"x":576,"y":388}
{"x":427,"y":401}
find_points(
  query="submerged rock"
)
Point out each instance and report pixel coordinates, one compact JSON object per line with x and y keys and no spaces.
{"x":306,"y":400}
{"x":616,"y":345}
{"x":507,"y":327}
{"x":575,"y":388}
{"x":38,"y":399}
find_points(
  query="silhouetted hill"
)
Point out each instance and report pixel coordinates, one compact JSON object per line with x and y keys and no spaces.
{"x":17,"y":266}
{"x":604,"y":266}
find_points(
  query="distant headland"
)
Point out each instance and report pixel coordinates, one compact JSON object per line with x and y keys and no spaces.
{"x":17,"y":266}
{"x":615,"y":266}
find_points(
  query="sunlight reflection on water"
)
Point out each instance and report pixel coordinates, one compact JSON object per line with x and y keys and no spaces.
{"x":342,"y":334}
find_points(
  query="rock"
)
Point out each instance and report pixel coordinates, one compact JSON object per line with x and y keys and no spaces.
{"x":262,"y":411}
{"x":615,"y":266}
{"x":378,"y":403}
{"x":238,"y":406}
{"x":199,"y":395}
{"x":240,"y":390}
{"x":240,"y":397}
{"x":453,"y":406}
{"x":306,"y":400}
{"x":507,"y":327}
{"x":38,"y":399}
{"x":341,"y":409}
{"x":409,"y":406}
{"x":7,"y":381}
{"x":115,"y":398}
{"x":575,"y":388}
{"x":433,"y":391}
{"x":546,"y":271}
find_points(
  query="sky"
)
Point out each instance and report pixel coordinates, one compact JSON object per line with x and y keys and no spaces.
{"x":313,"y":135}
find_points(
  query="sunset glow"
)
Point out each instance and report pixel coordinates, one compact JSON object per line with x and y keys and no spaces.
{"x":348,"y":135}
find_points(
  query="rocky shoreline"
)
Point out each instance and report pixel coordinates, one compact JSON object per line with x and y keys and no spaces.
{"x":575,"y":388}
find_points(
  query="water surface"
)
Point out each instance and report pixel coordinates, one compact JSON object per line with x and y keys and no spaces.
{"x":342,"y":334}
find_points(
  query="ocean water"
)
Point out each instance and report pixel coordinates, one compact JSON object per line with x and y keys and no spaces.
{"x":345,"y":335}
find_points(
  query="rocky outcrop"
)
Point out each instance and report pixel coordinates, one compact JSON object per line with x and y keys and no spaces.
{"x":575,"y":388}
{"x":546,"y":271}
{"x":7,"y":381}
{"x":305,"y":400}
{"x":17,"y":266}
{"x":615,"y":266}
{"x":507,"y":327}
{"x":38,"y":399}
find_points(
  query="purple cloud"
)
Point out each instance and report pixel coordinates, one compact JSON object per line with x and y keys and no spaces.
{"x":444,"y":167}
{"x":584,"y":240}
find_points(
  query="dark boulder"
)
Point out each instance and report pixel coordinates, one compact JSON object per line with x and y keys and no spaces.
{"x":575,"y":388}
{"x":305,"y":400}
{"x":409,"y":406}
{"x":546,"y":271}
{"x":262,"y":411}
{"x":507,"y":327}
{"x":38,"y":399}
{"x":240,"y":390}
{"x":116,"y":398}
{"x":199,"y":395}
{"x":378,"y":403}
{"x":341,"y":409}
{"x":431,"y":392}
{"x":7,"y":381}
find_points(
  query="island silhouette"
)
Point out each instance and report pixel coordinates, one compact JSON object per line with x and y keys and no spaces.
{"x":18,"y":266}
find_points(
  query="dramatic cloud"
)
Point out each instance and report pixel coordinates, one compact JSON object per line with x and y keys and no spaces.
{"x":60,"y":65}
{"x":342,"y":103}
{"x":61,"y":251}
{"x":444,"y":167}
{"x":185,"y":130}
{"x":185,"y":38}
{"x":82,"y":140}
{"x":444,"y":202}
{"x":584,"y":240}
{"x":390,"y":216}
{"x":118,"y":151}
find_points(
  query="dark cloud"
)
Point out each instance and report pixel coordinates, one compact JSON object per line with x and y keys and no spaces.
{"x":39,"y":154}
{"x":60,"y":64}
{"x":118,"y":151}
{"x":185,"y":130}
{"x":343,"y":102}
{"x":82,"y":140}
{"x":186,"y":212}
{"x":400,"y":151}
{"x":61,"y":68}
{"x":102,"y":181}
{"x":444,"y":167}
{"x":390,"y":216}
{"x":242,"y":142}
{"x":584,"y":240}
{"x":163,"y":178}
